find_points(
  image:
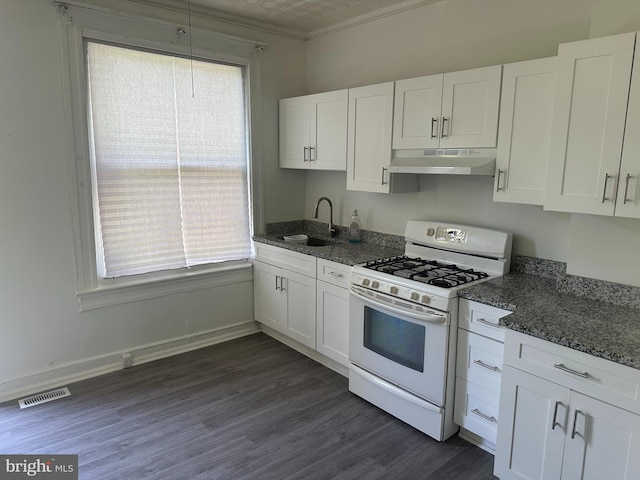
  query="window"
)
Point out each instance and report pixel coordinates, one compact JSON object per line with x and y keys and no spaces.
{"x":161,"y":185}
{"x":168,"y":147}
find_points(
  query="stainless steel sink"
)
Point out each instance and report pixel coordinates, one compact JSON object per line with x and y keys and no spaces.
{"x":318,"y":242}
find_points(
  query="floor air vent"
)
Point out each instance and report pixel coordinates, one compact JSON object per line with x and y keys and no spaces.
{"x":44,"y":397}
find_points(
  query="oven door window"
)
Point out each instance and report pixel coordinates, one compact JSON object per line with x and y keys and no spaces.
{"x":398,"y":340}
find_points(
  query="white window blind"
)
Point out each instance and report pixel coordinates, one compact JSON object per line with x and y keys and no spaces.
{"x":169,"y":158}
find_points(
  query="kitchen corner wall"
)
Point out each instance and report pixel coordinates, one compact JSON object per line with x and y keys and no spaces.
{"x":452,"y":35}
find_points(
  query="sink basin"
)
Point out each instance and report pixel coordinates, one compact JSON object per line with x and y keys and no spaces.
{"x":308,"y":241}
{"x":318,"y":242}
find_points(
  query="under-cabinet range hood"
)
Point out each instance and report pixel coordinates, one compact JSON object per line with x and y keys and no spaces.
{"x":451,"y":161}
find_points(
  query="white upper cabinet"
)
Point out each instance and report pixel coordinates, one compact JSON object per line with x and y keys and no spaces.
{"x":628,"y":198}
{"x":526,"y":109}
{"x":454,"y":110}
{"x":313,"y":131}
{"x":589,"y":124}
{"x":369,"y":142}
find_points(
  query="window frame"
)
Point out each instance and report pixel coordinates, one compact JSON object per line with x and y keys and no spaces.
{"x":80,"y":23}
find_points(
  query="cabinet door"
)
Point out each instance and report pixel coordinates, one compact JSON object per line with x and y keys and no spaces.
{"x":531,"y":432}
{"x":269,"y":298}
{"x":470,"y":104}
{"x":369,"y":137}
{"x":328,"y":146}
{"x":295,"y":132}
{"x":628,"y":198}
{"x":588,"y":124}
{"x":602,"y":441}
{"x":528,"y":90}
{"x":416,"y":112}
{"x":301,"y":307}
{"x":332,"y":322}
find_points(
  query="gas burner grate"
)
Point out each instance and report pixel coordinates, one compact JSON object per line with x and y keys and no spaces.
{"x":431,"y":272}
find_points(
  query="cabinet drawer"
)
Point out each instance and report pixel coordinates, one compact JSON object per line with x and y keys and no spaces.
{"x":608,"y":381}
{"x":480,"y":318}
{"x":479,"y":360}
{"x":476,"y":409}
{"x":288,"y":259}
{"x":334,"y":273}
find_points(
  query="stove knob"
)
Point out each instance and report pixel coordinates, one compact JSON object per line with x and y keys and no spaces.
{"x":393,"y":290}
{"x":426,"y":299}
{"x":365,"y":282}
{"x":415,"y":296}
{"x":375,"y":284}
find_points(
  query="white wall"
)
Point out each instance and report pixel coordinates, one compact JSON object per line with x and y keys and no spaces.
{"x":455,"y":35}
{"x":43,"y":335}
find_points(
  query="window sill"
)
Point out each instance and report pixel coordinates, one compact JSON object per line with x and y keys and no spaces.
{"x":108,"y":295}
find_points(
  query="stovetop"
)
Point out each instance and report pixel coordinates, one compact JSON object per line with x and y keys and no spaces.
{"x":430,"y":272}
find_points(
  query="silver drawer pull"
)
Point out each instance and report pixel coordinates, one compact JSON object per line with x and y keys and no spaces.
{"x":487,"y":322}
{"x":555,"y":416}
{"x":482,"y":415}
{"x":482,"y":364}
{"x":560,"y":366}
{"x":335,"y":274}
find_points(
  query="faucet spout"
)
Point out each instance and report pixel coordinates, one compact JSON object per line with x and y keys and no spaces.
{"x":332,"y":230}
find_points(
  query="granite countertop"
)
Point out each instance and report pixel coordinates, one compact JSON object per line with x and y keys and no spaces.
{"x":374,"y":245}
{"x":574,"y":312}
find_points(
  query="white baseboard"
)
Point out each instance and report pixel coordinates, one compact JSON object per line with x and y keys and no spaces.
{"x":312,"y":354}
{"x":96,"y":366}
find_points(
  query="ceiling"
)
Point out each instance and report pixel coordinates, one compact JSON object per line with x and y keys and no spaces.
{"x":302,"y":18}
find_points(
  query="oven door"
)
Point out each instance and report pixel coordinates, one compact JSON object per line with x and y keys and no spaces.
{"x":407,"y":347}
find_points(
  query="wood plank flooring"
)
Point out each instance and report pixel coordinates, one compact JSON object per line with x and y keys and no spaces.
{"x":248,"y":409}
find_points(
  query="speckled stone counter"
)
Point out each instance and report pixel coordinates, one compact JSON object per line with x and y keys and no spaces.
{"x":601,"y":318}
{"x":374,"y":245}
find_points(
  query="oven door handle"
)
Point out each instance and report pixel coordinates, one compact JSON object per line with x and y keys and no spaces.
{"x":423,"y":317}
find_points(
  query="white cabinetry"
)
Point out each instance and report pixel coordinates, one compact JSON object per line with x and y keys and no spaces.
{"x":332,"y":319}
{"x":566,"y":414}
{"x":478,"y":372}
{"x":313,"y":131}
{"x":369,"y":142}
{"x":526,"y":109}
{"x":454,"y":110}
{"x":588,"y":127}
{"x":285,"y":293}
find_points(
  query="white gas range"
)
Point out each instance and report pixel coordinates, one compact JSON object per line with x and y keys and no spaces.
{"x":403,"y":320}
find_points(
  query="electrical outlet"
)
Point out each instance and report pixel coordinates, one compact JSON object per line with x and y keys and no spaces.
{"x":127,"y":360}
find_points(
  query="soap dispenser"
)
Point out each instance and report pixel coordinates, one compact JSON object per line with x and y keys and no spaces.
{"x":355,"y":233}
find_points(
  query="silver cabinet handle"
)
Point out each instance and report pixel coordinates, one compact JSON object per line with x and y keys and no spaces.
{"x":500,"y":172}
{"x":311,"y":149}
{"x":574,"y":432}
{"x":604,"y":189}
{"x":626,"y":188}
{"x":434,"y":123}
{"x":493,"y":368}
{"x":383,"y":182}
{"x":555,"y":416}
{"x":277,"y":277}
{"x":482,"y":415}
{"x":560,"y":366}
{"x":304,"y":154}
{"x":335,"y":274}
{"x":487,"y":322}
{"x":445,"y":120}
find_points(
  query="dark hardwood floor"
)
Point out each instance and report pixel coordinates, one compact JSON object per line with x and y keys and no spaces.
{"x":250,"y":408}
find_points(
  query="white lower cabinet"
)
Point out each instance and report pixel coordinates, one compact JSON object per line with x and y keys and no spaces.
{"x":478,"y":372}
{"x":551,"y":430}
{"x":284,"y":299}
{"x":304,"y":298}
